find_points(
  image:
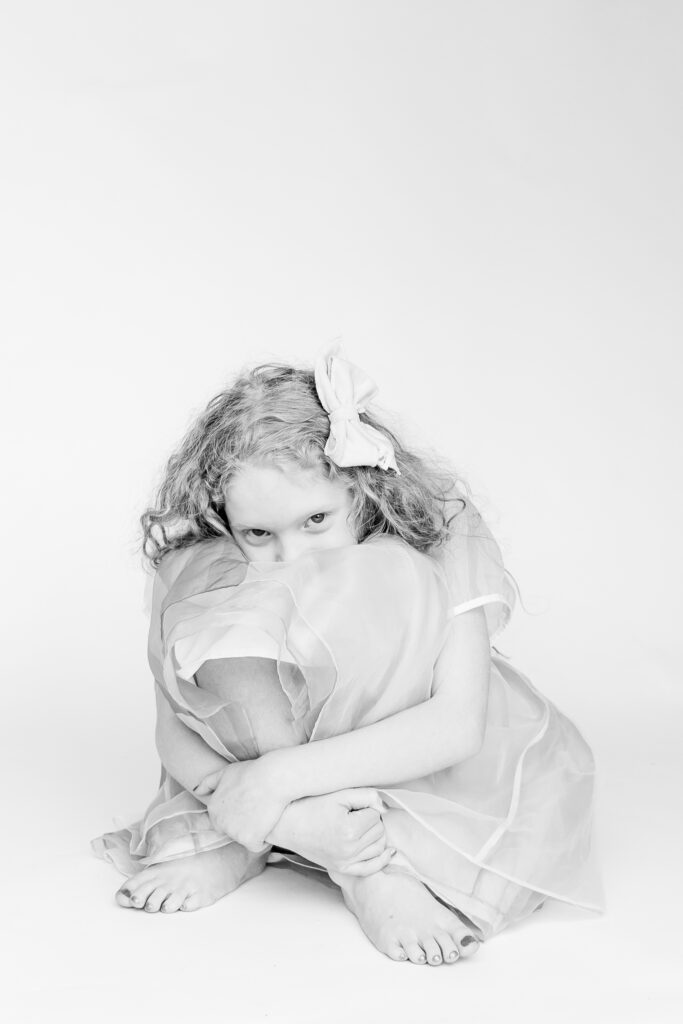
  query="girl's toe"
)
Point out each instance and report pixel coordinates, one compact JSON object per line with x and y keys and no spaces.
{"x":122,"y":897}
{"x":191,"y":902}
{"x":416,"y":953}
{"x":397,"y":953}
{"x":433,"y":951}
{"x":449,"y":948}
{"x":173,"y":902}
{"x":155,"y":899}
{"x":468,"y":944}
{"x":139,"y":891}
{"x":462,"y":934}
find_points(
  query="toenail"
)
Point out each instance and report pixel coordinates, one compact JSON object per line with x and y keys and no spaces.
{"x":468,"y":939}
{"x":453,"y":955}
{"x":402,"y":956}
{"x":436,"y":959}
{"x":422,"y":958}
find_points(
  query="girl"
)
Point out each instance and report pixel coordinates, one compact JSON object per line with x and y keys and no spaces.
{"x":317,"y":581}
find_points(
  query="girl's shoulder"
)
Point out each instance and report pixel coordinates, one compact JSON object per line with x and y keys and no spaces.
{"x":406,"y":564}
{"x":472,"y":566}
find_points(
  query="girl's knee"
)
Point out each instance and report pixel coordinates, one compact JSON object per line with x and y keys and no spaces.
{"x":236,"y":678}
{"x":252,"y":684}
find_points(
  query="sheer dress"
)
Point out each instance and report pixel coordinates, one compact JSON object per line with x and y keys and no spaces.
{"x":356,"y":634}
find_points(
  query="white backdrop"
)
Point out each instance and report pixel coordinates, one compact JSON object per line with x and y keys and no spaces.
{"x":483,"y":200}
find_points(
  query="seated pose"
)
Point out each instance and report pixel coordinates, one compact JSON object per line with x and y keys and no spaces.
{"x":323,"y":614}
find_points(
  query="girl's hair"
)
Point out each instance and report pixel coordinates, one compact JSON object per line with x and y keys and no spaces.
{"x":272,"y":413}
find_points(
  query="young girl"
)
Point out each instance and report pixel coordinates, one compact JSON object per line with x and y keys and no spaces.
{"x":321,"y":637}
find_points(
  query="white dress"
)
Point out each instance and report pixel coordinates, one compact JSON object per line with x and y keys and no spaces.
{"x":356,"y":632}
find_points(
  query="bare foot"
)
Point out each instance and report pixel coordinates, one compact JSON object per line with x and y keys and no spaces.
{"x":402,"y":919}
{"x":191,"y":882}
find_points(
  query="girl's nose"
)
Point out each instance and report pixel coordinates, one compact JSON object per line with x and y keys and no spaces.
{"x":288,"y":551}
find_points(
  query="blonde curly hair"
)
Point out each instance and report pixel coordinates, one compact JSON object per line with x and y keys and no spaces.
{"x":272,"y":413}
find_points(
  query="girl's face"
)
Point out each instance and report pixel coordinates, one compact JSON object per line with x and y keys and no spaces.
{"x":278,"y":513}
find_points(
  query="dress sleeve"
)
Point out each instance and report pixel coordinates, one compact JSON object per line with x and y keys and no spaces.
{"x":473,"y":568}
{"x":185,"y":580}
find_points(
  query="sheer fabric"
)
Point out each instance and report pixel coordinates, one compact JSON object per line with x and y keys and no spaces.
{"x":356,"y":633}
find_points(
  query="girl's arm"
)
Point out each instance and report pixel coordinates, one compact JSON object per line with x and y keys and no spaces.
{"x":445,"y":729}
{"x":183,"y":753}
{"x":323,"y":829}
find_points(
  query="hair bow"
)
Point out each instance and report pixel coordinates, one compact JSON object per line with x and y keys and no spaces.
{"x":344,"y":391}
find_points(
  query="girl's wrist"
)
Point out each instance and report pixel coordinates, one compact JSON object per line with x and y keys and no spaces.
{"x":281,"y":765}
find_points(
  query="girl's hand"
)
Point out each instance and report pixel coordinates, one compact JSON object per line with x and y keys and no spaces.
{"x":246,"y":802}
{"x":342,"y":831}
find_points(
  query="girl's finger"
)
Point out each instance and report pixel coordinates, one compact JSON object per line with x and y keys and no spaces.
{"x":369,"y":867}
{"x":361,"y":821}
{"x":371,"y":850}
{"x":374,"y":833}
{"x":208,"y":784}
{"x":357,"y":799}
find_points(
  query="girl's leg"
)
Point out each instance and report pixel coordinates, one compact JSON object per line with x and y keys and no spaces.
{"x":396,"y":911}
{"x":191,"y":882}
{"x":252,"y":685}
{"x":195,"y":881}
{"x":404,"y":920}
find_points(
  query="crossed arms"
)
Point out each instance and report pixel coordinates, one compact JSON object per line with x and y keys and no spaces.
{"x":442,"y":731}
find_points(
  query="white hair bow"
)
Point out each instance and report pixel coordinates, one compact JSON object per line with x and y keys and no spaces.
{"x":344,"y":392}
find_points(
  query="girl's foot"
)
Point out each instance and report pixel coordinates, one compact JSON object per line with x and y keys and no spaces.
{"x":191,"y":882}
{"x":402,"y":919}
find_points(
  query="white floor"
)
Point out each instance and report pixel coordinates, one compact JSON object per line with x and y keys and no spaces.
{"x":284,"y":947}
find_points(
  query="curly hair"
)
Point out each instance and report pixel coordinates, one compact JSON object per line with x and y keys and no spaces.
{"x":272,"y":412}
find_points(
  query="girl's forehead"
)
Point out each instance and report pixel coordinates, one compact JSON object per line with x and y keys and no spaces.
{"x":259,"y":489}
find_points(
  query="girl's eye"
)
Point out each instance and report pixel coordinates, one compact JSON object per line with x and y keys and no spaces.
{"x":257,"y":534}
{"x":318,"y":518}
